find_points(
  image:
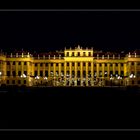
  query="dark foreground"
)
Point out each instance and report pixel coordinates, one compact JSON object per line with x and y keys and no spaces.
{"x":70,"y":107}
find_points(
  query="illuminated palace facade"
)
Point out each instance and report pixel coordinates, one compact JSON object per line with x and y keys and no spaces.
{"x":71,"y":67}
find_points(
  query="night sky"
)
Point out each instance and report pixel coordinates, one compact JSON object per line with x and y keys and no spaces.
{"x":53,"y":30}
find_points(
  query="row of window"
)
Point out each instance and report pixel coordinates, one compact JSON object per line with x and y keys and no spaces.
{"x":78,"y":73}
{"x":19,"y":63}
{"x":46,"y":72}
{"x":14,"y":82}
{"x":41,"y":64}
{"x":62,"y":64}
{"x":68,"y":72}
{"x":78,"y":54}
{"x":73,"y":64}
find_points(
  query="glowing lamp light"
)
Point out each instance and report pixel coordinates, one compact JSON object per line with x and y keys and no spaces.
{"x":0,"y":73}
{"x":131,"y":76}
{"x":111,"y":78}
{"x":45,"y":78}
{"x":37,"y":77}
{"x":119,"y":77}
{"x":24,"y":75}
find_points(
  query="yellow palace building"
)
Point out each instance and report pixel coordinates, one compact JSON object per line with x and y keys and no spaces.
{"x":72,"y":67}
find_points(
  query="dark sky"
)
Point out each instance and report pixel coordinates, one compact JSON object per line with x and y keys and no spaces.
{"x":53,"y":30}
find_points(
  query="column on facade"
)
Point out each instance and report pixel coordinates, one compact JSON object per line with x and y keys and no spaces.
{"x":28,"y":68}
{"x":125,"y":72}
{"x":49,"y":70}
{"x":38,"y":69}
{"x":92,"y":74}
{"x":75,"y":82}
{"x":4,"y":71}
{"x":81,"y":72}
{"x":28,"y":72}
{"x":22,"y":68}
{"x":59,"y":69}
{"x":135,"y":68}
{"x":108,"y":70}
{"x":119,"y":69}
{"x":103,"y":70}
{"x":86,"y":73}
{"x":54,"y":69}
{"x":44,"y":70}
{"x":125,"y":69}
{"x":54,"y":72}
{"x":97,"y":70}
{"x":64,"y":73}
{"x":113,"y":68}
{"x":33,"y":69}
{"x":129,"y":68}
{"x":11,"y":74}
{"x":70,"y":73}
{"x":16,"y":68}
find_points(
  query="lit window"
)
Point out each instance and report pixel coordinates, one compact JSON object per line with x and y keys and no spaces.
{"x":8,"y":73}
{"x":89,"y":53}
{"x":84,"y":64}
{"x":14,"y":73}
{"x":41,"y":73}
{"x":67,"y":53}
{"x":72,"y":53}
{"x":78,"y":53}
{"x":84,"y":53}
{"x":19,"y":73}
{"x":8,"y":63}
{"x":78,"y":64}
{"x":89,"y":64}
{"x":132,"y":63}
{"x":67,"y":64}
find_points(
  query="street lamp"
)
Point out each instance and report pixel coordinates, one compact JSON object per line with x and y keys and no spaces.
{"x":23,"y":76}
